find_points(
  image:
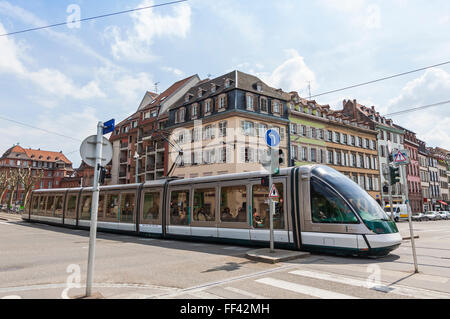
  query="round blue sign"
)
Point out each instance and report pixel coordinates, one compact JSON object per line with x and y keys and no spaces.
{"x":273,"y":138}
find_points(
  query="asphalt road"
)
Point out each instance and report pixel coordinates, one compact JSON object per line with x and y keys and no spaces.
{"x":39,"y":261}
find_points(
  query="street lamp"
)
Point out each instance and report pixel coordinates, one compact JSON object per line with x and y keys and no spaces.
{"x":136,"y":157}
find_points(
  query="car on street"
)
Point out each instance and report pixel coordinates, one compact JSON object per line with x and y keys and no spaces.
{"x":432,"y":215}
{"x":442,"y":215}
{"x":419,"y":217}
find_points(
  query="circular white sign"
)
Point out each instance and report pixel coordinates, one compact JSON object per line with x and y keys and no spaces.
{"x":88,"y":153}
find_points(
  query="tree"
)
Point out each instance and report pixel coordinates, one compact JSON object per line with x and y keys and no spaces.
{"x":13,"y":182}
{"x":3,"y":184}
{"x":28,"y":180}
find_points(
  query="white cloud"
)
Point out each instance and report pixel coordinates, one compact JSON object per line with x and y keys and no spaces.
{"x":360,"y":12}
{"x":148,"y":25}
{"x":51,"y":80}
{"x":133,"y":88}
{"x":430,"y":124}
{"x":293,"y":74}
{"x":174,"y":71}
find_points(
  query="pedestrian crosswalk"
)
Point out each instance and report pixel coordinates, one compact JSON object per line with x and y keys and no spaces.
{"x":307,"y":283}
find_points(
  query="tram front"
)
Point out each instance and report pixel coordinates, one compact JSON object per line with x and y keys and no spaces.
{"x":341,"y":217}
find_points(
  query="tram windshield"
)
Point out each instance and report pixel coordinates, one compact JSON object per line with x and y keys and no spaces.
{"x":366,"y":207}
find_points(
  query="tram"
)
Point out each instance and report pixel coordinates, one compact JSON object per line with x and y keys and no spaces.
{"x":319,"y":210}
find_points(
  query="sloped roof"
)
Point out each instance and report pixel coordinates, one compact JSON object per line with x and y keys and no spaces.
{"x":47,"y":156}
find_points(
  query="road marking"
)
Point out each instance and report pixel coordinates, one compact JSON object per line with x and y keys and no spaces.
{"x":12,"y":297}
{"x":236,"y":248}
{"x":244,"y":293}
{"x":304,"y":290}
{"x":393,"y":289}
{"x":205,"y":295}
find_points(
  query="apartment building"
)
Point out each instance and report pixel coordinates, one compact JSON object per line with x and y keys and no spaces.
{"x":219,"y":125}
{"x":424,"y":153}
{"x":141,"y":141}
{"x":308,"y":122}
{"x":413,"y":171}
{"x":390,"y":138}
{"x":321,"y":135}
{"x":54,"y":166}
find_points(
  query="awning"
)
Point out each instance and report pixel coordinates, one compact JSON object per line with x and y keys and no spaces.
{"x":443,"y":203}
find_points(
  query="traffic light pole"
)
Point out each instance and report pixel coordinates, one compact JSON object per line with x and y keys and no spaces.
{"x":411,"y":230}
{"x":390,"y":195}
{"x":272,"y":211}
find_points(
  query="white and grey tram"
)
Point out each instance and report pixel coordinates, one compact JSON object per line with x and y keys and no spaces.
{"x":319,"y":209}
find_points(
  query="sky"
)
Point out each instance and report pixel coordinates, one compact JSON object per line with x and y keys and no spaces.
{"x":65,"y":79}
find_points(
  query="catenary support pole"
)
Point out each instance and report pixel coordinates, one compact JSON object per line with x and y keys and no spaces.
{"x":411,"y":230}
{"x":94,"y":209}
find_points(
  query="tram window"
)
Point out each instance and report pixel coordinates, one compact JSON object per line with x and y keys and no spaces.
{"x":205,"y":205}
{"x":35,"y":205}
{"x":85,"y":211}
{"x":261,"y":208}
{"x":58,"y":206}
{"x":112,"y":207}
{"x":151,"y":207}
{"x":233,"y":204}
{"x":127,"y":208}
{"x":50,"y":205}
{"x":41,"y":209}
{"x":179,"y":208}
{"x":71,"y":206}
{"x":328,"y":207}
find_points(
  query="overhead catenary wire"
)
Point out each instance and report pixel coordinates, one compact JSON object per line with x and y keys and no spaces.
{"x":414,"y":109}
{"x":94,"y":17}
{"x":381,"y":79}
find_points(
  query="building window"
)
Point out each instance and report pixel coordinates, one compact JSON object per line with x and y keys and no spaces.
{"x":304,"y":154}
{"x":223,"y":128}
{"x":330,"y":157}
{"x":250,"y":101}
{"x":264,"y":105}
{"x":222,"y":102}
{"x":194,"y":111}
{"x":276,"y":107}
{"x":313,"y":155}
{"x":330,"y":136}
{"x":208,"y":107}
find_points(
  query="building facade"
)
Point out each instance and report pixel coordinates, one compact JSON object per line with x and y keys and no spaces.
{"x":141,"y":142}
{"x":413,"y":172}
{"x":54,"y":166}
{"x":390,"y":138}
{"x":219,"y":125}
{"x":423,"y":153}
{"x":319,"y":135}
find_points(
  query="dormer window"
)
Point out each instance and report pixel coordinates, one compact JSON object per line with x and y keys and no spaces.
{"x":250,"y":103}
{"x":264,"y":107}
{"x":200,"y":93}
{"x":227,"y":83}
{"x":276,"y":107}
{"x":259,"y":87}
{"x":194,"y":111}
{"x":188,"y":97}
{"x":213,"y":88}
{"x":180,"y":115}
{"x":208,"y":107}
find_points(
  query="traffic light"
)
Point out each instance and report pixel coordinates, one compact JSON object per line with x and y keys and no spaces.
{"x":265,"y":181}
{"x":281,"y":156}
{"x":395,"y":174}
{"x":390,"y":158}
{"x":102,"y":177}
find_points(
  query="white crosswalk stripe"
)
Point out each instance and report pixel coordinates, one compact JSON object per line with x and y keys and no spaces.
{"x":204,"y":295}
{"x":304,"y":290}
{"x":244,"y":293}
{"x":392,"y":289}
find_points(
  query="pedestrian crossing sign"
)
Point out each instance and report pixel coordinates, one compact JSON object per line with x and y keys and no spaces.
{"x":274,"y":192}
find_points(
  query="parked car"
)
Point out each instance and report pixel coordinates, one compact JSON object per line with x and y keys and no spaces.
{"x":419,"y":217}
{"x":442,"y":215}
{"x":432,"y":216}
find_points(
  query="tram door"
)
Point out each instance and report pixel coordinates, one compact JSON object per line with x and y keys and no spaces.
{"x":151,"y":211}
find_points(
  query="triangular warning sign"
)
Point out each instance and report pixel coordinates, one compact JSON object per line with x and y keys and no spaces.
{"x":274,"y":192}
{"x":400,"y":157}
